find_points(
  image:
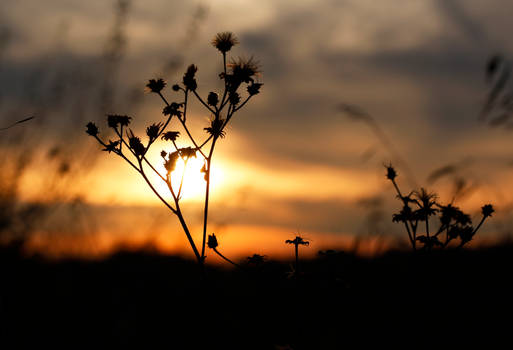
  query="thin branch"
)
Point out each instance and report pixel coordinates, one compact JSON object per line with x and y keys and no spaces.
{"x":203,"y":102}
{"x":153,"y":188}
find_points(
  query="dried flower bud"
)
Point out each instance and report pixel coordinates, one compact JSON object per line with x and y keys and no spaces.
{"x":391,"y":173}
{"x":188,"y":78}
{"x":136,"y":145}
{"x":487,"y":210}
{"x":216,"y":128}
{"x":173,"y":109}
{"x":254,"y":88}
{"x":111,"y":147}
{"x":156,"y":86}
{"x":212,"y":99}
{"x":113,"y":120}
{"x":212,"y":241}
{"x":92,"y":129}
{"x":163,"y":154}
{"x":234,"y":98}
{"x":176,"y":87}
{"x":153,"y":131}
{"x":170,"y":135}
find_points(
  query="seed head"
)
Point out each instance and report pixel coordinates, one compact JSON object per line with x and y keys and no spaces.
{"x":188,"y":78}
{"x":111,"y":147}
{"x":170,"y":135}
{"x":212,"y":99}
{"x":254,"y":88}
{"x":113,"y":120}
{"x":234,"y":98}
{"x":92,"y":129}
{"x":135,"y":144}
{"x":216,"y":128}
{"x":173,"y":109}
{"x":153,"y":131}
{"x":243,"y":70}
{"x":155,"y":86}
{"x":224,"y":41}
{"x":487,"y":210}
{"x":391,"y":173}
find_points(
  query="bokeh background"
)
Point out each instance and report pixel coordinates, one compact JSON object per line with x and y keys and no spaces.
{"x":294,"y":161}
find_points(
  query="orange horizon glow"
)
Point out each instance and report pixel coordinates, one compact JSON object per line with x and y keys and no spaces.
{"x":236,"y":242}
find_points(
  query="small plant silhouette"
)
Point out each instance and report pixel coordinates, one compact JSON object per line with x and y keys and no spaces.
{"x":213,"y":244}
{"x":419,"y":206}
{"x":222,"y":107}
{"x":297,"y":242}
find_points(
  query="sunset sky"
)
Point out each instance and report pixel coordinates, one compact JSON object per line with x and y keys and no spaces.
{"x":292,"y":161}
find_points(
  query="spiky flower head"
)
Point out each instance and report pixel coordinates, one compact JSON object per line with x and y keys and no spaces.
{"x":111,"y":147}
{"x":170,"y":135}
{"x":216,"y":128}
{"x":487,"y":210}
{"x":297,"y":241}
{"x":224,"y":41}
{"x":156,"y":85}
{"x":244,"y":69}
{"x":153,"y":131}
{"x":135,"y":144}
{"x":173,"y":109}
{"x":234,"y":98}
{"x":254,"y":88}
{"x":113,"y":120}
{"x":92,"y":129}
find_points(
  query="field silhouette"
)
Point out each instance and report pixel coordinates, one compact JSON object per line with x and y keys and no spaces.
{"x":150,"y":300}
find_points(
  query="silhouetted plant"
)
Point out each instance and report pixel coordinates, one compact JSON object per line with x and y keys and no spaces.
{"x":213,"y":244}
{"x":296,"y":242}
{"x":222,"y":107}
{"x":256,"y":259}
{"x":419,"y":206}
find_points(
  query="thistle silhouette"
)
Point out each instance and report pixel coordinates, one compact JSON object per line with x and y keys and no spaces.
{"x":419,"y":206}
{"x":238,"y":73}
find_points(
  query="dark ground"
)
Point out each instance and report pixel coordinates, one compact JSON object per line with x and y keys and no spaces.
{"x":152,"y":301}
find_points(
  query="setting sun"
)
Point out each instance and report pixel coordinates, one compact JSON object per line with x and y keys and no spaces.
{"x":193,"y":186}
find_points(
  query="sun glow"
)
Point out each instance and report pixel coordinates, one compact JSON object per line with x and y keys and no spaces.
{"x":188,"y":174}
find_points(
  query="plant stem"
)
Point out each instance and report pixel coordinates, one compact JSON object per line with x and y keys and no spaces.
{"x":207,"y":195}
{"x":296,"y":248}
{"x":410,"y":235}
{"x":479,"y":225}
{"x":225,"y":258}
